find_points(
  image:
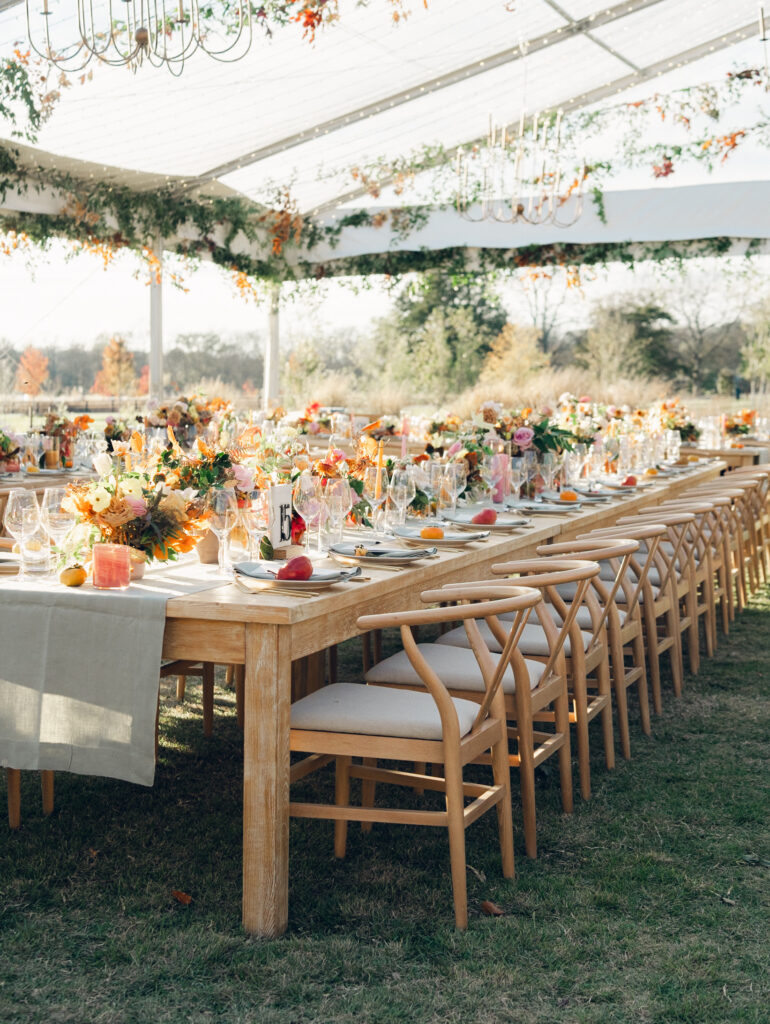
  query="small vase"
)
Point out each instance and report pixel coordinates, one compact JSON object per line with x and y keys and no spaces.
{"x":138,"y":563}
{"x":208,"y":548}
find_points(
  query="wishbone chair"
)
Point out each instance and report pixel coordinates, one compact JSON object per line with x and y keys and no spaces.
{"x":581,"y":652}
{"x":534,"y":692}
{"x":702,"y":563}
{"x":678,"y":575}
{"x":345,"y":721}
{"x":655,"y":605}
{"x":738,"y":535}
{"x":624,"y":627}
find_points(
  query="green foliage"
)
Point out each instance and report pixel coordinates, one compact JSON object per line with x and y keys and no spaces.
{"x":16,"y":91}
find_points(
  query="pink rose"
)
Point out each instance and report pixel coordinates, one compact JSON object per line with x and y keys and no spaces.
{"x":137,"y":505}
{"x":314,"y":428}
{"x":455,"y":448}
{"x":244,"y":478}
{"x":523,"y":438}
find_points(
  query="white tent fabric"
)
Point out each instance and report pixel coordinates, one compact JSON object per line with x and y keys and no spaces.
{"x":302,"y":114}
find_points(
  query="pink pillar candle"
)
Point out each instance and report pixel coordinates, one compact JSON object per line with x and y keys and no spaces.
{"x":112,"y":566}
{"x":404,"y":436}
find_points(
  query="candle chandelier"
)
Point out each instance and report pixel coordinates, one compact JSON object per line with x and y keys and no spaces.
{"x":131,"y":32}
{"x":518,"y":176}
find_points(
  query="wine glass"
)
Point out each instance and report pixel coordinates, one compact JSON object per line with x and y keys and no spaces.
{"x":57,"y":521}
{"x":22,"y":520}
{"x":306,"y":496}
{"x":398,"y":492}
{"x":548,"y":469}
{"x":218,"y":504}
{"x":453,"y":482}
{"x":237,"y":536}
{"x":530,"y":472}
{"x":375,"y":491}
{"x":339,"y":502}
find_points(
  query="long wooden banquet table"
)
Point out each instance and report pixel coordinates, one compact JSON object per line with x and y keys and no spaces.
{"x":266,"y":632}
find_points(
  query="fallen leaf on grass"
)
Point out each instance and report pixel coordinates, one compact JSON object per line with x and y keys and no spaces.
{"x":491,"y":909}
{"x":182,"y":897}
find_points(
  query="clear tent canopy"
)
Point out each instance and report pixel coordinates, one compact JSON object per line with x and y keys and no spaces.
{"x":300,"y":116}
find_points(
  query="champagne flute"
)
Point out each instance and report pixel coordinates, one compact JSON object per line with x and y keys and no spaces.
{"x":375,"y":495}
{"x":517,"y":476}
{"x":22,"y":519}
{"x":218,"y":504}
{"x":453,"y":482}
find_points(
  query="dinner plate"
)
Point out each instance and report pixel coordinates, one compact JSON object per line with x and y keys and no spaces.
{"x":503,"y":521}
{"x":321,"y":578}
{"x":412,"y":536}
{"x":545,"y":508}
{"x":377,"y":553}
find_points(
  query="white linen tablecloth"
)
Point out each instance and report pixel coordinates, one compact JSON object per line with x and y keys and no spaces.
{"x":79,"y":673}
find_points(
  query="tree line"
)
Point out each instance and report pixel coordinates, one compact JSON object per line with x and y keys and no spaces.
{"x":111,"y":367}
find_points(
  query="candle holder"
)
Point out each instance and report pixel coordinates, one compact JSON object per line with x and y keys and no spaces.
{"x":112,"y":566}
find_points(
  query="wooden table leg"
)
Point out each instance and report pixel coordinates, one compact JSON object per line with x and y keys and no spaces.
{"x":267,"y":698}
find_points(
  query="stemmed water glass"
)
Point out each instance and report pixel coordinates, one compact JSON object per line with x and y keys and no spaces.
{"x":375,"y":497}
{"x":56,"y":519}
{"x":307,"y":499}
{"x":339,"y":502}
{"x":517,"y":476}
{"x":22,"y":520}
{"x":453,"y":482}
{"x":399,"y":490}
{"x":549,"y":466}
{"x":218,"y":504}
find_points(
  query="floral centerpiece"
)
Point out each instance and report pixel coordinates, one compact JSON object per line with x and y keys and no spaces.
{"x":741,"y":423}
{"x":129,"y":508}
{"x":675,"y":417}
{"x":187,"y":416}
{"x":66,"y":431}
{"x":10,"y":446}
{"x":314,"y":420}
{"x":116,"y":430}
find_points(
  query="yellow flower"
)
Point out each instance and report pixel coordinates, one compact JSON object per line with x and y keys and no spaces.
{"x":172,"y":480}
{"x":100,"y":499}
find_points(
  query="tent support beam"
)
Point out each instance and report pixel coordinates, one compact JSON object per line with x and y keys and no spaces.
{"x":271,"y":386}
{"x":586,"y":99}
{"x":573,"y":27}
{"x":156,"y":323}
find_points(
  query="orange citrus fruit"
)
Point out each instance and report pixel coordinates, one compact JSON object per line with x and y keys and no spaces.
{"x":568,"y":496}
{"x":431,"y":533}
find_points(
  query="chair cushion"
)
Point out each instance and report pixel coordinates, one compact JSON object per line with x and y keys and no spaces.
{"x":376,"y":711}
{"x":456,"y":667}
{"x":533,"y":639}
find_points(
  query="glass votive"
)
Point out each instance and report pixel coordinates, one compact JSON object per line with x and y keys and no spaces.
{"x":112,"y":566}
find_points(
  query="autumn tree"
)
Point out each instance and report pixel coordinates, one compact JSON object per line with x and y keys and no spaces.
{"x":143,"y":384}
{"x":514,"y":355}
{"x":117,"y":375}
{"x":32,"y":372}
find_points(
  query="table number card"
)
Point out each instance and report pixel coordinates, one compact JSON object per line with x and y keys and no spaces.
{"x":279,"y":515}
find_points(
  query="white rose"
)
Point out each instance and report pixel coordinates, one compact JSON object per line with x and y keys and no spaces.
{"x":103,"y":464}
{"x":100,"y":498}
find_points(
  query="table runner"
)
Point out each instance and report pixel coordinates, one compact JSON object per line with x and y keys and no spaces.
{"x":79,"y":673}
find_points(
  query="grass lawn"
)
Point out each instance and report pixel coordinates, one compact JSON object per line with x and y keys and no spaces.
{"x":650,"y":904}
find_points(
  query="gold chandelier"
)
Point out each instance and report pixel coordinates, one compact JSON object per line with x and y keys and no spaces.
{"x":518,"y":176}
{"x":130,"y":32}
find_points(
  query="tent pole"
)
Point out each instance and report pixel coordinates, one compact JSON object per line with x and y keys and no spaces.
{"x":156,"y":323}
{"x":271,"y":386}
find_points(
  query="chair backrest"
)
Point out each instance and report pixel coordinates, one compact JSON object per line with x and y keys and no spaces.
{"x":616,"y":553}
{"x":648,"y":537}
{"x":488,"y":604}
{"x":543,"y":575}
{"x":677,"y":524}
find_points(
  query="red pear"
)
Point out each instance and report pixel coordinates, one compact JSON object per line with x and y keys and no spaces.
{"x":486,"y":517}
{"x":299,"y":568}
{"x":630,"y":481}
